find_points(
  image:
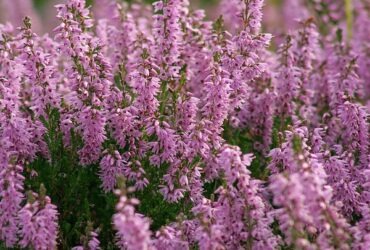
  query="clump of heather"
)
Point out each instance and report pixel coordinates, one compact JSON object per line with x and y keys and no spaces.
{"x":164,"y":126}
{"x":38,"y":222}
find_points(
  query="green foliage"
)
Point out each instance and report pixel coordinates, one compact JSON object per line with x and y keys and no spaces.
{"x":152,"y":203}
{"x":82,"y":203}
{"x":76,"y":191}
{"x":245,"y":141}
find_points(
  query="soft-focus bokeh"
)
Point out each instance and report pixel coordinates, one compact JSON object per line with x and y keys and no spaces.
{"x":279,"y":16}
{"x":42,"y":12}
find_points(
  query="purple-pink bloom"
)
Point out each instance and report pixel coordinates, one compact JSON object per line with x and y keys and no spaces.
{"x":133,"y":231}
{"x":39,"y":223}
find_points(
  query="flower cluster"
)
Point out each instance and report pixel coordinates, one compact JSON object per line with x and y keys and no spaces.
{"x":212,"y":134}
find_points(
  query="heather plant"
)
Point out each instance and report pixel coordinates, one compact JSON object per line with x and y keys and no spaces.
{"x":162,"y":126}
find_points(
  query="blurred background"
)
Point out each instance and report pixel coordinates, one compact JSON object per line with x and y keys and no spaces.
{"x":280,"y":16}
{"x":42,"y":12}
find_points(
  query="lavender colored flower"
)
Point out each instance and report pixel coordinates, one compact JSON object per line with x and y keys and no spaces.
{"x":208,"y":235}
{"x":356,"y":130}
{"x":146,"y":84}
{"x":91,"y":241}
{"x":293,"y":215}
{"x":89,"y":75}
{"x":170,"y":238}
{"x":217,"y":101}
{"x":243,"y":14}
{"x":315,"y":210}
{"x":168,"y":34}
{"x":94,"y":243}
{"x":11,"y":197}
{"x":246,"y":209}
{"x":288,"y":82}
{"x":92,"y":126}
{"x":39,"y":226}
{"x":111,"y":165}
{"x":132,"y":228}
{"x":165,"y":148}
{"x":39,"y":72}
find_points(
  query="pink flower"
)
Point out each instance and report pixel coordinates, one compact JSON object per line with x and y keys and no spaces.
{"x":132,"y":228}
{"x":11,"y":197}
{"x":39,"y":226}
{"x":111,"y":165}
{"x":92,"y":126}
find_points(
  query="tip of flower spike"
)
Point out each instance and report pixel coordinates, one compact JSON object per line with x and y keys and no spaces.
{"x":121,"y":182}
{"x":27,"y":22}
{"x":30,"y":197}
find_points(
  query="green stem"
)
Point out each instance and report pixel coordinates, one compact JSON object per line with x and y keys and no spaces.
{"x":349,"y":18}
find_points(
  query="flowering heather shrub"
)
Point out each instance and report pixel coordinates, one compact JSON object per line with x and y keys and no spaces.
{"x":135,"y":126}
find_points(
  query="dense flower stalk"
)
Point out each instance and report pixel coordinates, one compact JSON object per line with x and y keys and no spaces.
{"x":89,"y":75}
{"x":39,"y":226}
{"x":168,"y":34}
{"x":40,"y":73}
{"x":218,"y":90}
{"x":11,"y":197}
{"x":288,"y":81}
{"x":241,"y":211}
{"x":111,"y":166}
{"x":243,"y":13}
{"x":356,"y":130}
{"x":294,"y":218}
{"x":310,"y":209}
{"x":132,"y":228}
